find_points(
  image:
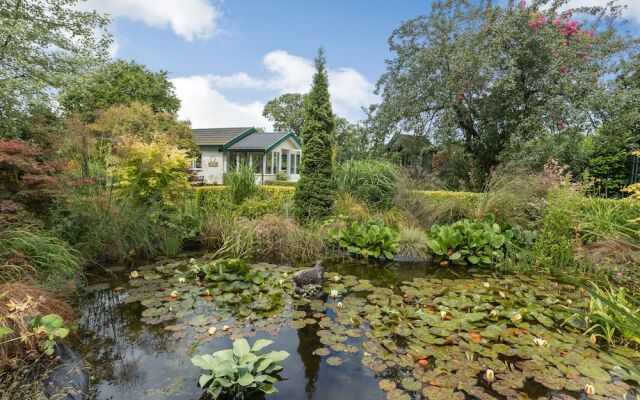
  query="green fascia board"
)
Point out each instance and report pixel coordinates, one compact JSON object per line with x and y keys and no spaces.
{"x":237,"y":138}
{"x":291,"y":135}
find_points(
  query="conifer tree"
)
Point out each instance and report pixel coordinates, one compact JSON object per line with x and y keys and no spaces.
{"x":315,"y":191}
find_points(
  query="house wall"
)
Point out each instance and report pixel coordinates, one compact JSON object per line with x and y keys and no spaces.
{"x":212,"y":174}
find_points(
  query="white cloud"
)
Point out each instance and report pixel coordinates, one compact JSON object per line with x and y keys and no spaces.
{"x":632,"y":10}
{"x":189,"y":19}
{"x":206,"y":107}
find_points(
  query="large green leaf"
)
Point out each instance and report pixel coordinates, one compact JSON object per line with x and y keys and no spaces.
{"x":241,"y":347}
{"x":245,"y":380}
{"x":277,"y":356}
{"x":260,"y":344}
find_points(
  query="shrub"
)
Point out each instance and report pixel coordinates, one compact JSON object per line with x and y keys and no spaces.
{"x":150,"y":173}
{"x":413,"y":243}
{"x":241,"y":185}
{"x":313,"y":197}
{"x":282,"y":176}
{"x":240,"y":371}
{"x":479,"y":242}
{"x":372,"y":182}
{"x":283,"y":240}
{"x":215,"y":197}
{"x":37,"y":252}
{"x":372,"y":239}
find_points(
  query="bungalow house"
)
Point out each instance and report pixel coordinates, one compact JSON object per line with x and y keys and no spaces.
{"x":223,"y":150}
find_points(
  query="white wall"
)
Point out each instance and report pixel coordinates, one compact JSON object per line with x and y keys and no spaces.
{"x":212,"y":174}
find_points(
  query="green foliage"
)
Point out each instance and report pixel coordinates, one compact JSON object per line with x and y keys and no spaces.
{"x":140,"y":121}
{"x":240,"y":371}
{"x":279,"y":183}
{"x":45,"y":44}
{"x":241,"y":184}
{"x":50,"y":325}
{"x":37,"y":252}
{"x":372,"y":239}
{"x":480,"y":242}
{"x":283,"y":240}
{"x":554,"y":248}
{"x":314,"y":193}
{"x":534,"y":75}
{"x":614,"y":315}
{"x":119,"y":83}
{"x":150,"y":173}
{"x":373,"y":182}
{"x":413,"y":243}
{"x":286,"y":112}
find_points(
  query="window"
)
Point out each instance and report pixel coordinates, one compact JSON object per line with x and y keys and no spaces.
{"x":256,"y":162}
{"x":196,"y":163}
{"x":275,"y":162}
{"x":268,"y":169}
{"x":295,"y":163}
{"x":283,"y":162}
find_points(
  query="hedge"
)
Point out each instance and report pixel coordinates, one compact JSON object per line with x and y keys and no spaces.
{"x":280,"y":183}
{"x":267,"y":200}
{"x":281,"y":196}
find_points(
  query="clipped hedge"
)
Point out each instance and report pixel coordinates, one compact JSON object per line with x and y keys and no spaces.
{"x":266,"y":200}
{"x":280,"y":183}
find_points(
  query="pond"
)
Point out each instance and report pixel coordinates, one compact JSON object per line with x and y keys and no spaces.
{"x":394,"y":331}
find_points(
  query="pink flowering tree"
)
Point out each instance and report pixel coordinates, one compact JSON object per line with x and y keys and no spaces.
{"x":490,"y":77}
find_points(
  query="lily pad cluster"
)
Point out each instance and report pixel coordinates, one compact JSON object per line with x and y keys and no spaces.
{"x":480,"y":336}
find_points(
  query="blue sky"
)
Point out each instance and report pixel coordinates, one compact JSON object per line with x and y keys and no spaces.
{"x":227,"y":58}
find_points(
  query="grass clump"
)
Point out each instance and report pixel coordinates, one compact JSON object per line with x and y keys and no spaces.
{"x":413,"y":242}
{"x":38,"y":253}
{"x":283,"y":240}
{"x":372,"y":182}
{"x":241,"y":184}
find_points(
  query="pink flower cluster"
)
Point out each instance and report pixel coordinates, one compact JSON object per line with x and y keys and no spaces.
{"x":538,"y":20}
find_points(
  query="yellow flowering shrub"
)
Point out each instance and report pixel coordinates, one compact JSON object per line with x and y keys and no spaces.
{"x":150,"y":172}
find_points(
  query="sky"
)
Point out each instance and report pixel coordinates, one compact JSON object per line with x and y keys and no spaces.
{"x":227,"y":58}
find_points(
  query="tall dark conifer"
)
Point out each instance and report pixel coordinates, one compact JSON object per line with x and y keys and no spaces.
{"x":315,"y":190}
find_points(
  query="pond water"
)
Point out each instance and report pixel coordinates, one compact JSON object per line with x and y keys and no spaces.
{"x":395,"y":331}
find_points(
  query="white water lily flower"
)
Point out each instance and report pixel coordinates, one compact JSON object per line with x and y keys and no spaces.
{"x":284,"y":274}
{"x":489,"y":375}
{"x":192,"y":260}
{"x":486,"y":284}
{"x":339,"y":304}
{"x":134,"y":274}
{"x":175,"y":293}
{"x":539,"y":342}
{"x":225,"y":328}
{"x":212,"y":330}
{"x":504,"y":296}
{"x":494,"y":313}
{"x":336,"y":278}
{"x":333,"y":293}
{"x":443,"y":314}
{"x":281,"y":282}
{"x":516,"y":318}
{"x":589,"y":390}
{"x":207,"y":292}
{"x":181,"y":280}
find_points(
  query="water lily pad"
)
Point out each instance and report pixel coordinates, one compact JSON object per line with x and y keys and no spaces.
{"x":322,"y":351}
{"x":297,"y":324}
{"x":411,"y":384}
{"x":386,"y":385}
{"x":334,"y":361}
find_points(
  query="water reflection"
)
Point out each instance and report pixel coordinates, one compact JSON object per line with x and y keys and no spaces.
{"x":308,"y":341}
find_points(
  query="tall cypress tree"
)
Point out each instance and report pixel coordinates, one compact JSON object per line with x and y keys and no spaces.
{"x":315,"y":190}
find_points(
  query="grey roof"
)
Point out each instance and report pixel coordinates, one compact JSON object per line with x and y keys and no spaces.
{"x":216,"y":136}
{"x":258,"y":141}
